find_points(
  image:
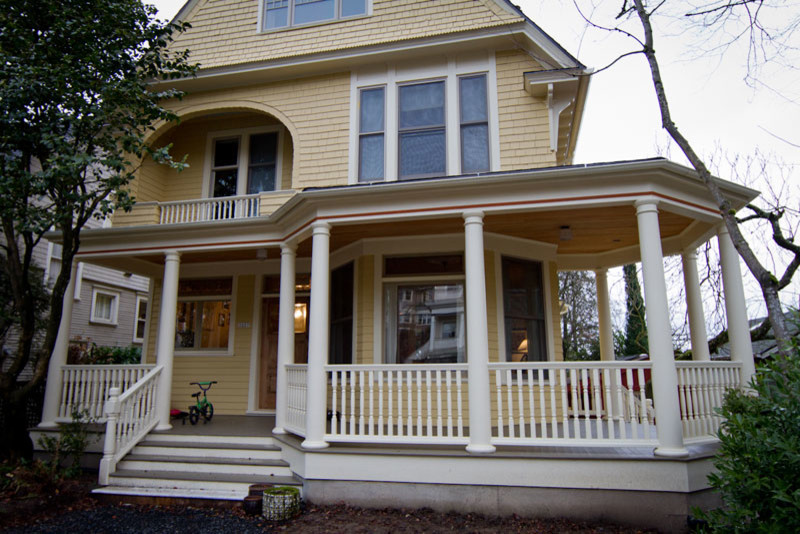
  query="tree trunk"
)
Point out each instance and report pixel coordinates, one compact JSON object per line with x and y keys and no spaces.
{"x":15,"y":443}
{"x":768,"y":282}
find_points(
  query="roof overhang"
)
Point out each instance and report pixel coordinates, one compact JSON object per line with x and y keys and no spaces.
{"x":551,"y":195}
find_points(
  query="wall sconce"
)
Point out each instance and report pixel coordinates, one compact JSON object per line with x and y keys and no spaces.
{"x":300,"y":315}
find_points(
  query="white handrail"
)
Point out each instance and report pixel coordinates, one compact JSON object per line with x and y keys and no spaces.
{"x":130,"y":416}
{"x":85,"y":388}
{"x":209,"y":209}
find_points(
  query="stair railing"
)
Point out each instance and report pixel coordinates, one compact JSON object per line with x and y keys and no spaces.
{"x":129,"y":418}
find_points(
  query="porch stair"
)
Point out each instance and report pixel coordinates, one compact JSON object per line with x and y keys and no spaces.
{"x":198,"y":467}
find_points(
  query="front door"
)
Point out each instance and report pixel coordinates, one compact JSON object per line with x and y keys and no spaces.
{"x":269,"y":349}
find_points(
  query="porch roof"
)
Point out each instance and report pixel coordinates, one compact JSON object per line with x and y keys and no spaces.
{"x":596,"y":201}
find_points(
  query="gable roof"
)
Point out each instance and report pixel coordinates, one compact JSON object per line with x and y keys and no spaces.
{"x":224,"y":33}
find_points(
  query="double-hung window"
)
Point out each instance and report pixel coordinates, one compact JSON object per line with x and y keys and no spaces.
{"x":245,"y":164}
{"x":524,"y":311}
{"x":285,"y":13}
{"x":140,"y":321}
{"x":421,"y":130}
{"x":371,"y":137}
{"x":105,"y":305}
{"x":474,"y":118}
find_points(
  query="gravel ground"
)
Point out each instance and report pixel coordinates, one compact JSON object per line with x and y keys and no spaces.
{"x":123,"y":519}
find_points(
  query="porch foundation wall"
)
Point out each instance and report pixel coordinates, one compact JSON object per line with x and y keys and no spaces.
{"x":662,"y":510}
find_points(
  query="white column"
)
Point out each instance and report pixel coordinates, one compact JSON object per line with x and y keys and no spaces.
{"x":735,"y":305}
{"x":694,"y":307}
{"x":285,"y":332}
{"x":480,"y":426}
{"x":58,"y":359}
{"x":165,"y":350}
{"x":318,"y":335}
{"x":604,"y":315}
{"x":659,"y":332}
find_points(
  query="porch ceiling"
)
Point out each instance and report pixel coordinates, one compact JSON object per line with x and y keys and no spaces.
{"x":594,"y":230}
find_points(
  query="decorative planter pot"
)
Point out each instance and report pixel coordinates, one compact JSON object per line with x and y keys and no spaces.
{"x":252,"y":505}
{"x":281,"y":503}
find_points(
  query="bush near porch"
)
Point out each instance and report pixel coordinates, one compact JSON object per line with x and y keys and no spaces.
{"x":758,"y":465}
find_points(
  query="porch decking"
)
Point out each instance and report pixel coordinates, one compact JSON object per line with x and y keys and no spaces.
{"x":251,"y":426}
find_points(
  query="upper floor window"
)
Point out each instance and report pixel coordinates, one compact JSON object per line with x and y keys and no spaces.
{"x":422,"y":135}
{"x":244,"y":164}
{"x":421,"y":130}
{"x":284,"y":13}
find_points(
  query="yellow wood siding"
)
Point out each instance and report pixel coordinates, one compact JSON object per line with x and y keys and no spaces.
{"x":523,"y":120}
{"x":491,"y":305}
{"x":229,"y":396}
{"x":555,"y":309}
{"x":365,"y":308}
{"x":225,"y":32}
{"x":140,"y":214}
{"x":317,"y":107}
{"x":269,"y":202}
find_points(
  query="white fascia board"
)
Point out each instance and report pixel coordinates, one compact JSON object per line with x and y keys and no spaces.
{"x":495,"y":37}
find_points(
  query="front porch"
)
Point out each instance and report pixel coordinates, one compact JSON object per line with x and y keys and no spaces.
{"x":407,"y":334}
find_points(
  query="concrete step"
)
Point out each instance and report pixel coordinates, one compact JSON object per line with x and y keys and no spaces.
{"x":232,"y":466}
{"x":192,"y":484}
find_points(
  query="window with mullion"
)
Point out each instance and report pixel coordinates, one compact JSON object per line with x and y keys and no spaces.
{"x":371,"y":137}
{"x":474,"y":119}
{"x":421,"y":130}
{"x":285,"y":13}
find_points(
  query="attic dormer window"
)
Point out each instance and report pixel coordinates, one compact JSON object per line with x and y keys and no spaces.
{"x":285,"y":13}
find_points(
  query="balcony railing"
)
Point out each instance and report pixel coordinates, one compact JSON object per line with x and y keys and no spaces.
{"x":209,"y":209}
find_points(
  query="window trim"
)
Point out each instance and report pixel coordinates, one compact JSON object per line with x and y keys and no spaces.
{"x":393,"y":75}
{"x":115,"y":296}
{"x":136,"y":319}
{"x":243,"y":163}
{"x":262,"y":19}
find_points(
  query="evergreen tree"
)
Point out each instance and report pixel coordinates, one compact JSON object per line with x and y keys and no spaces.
{"x":635,"y":325}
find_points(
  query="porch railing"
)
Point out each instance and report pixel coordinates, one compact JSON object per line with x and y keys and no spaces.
{"x":532,"y":403}
{"x":296,"y":379}
{"x":129,"y":417}
{"x":701,"y":389}
{"x":572,"y":402}
{"x":86,"y":387}
{"x":398,"y":403}
{"x":209,"y":209}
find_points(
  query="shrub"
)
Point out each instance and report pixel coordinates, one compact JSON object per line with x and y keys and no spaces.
{"x":758,"y":464}
{"x":66,"y":450}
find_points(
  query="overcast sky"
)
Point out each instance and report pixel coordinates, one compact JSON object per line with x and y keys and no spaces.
{"x":710,"y":101}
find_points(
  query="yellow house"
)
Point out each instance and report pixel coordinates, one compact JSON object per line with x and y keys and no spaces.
{"x":363,"y":254}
